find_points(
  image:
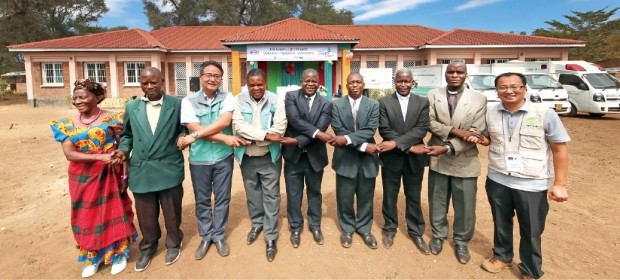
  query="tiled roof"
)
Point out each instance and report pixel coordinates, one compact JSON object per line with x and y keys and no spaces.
{"x":198,"y":37}
{"x":214,"y":38}
{"x":477,"y":37}
{"x":120,"y":39}
{"x":290,"y":29}
{"x":388,"y":36}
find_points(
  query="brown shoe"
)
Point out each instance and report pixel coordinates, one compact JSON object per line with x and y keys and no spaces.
{"x":494,"y":265}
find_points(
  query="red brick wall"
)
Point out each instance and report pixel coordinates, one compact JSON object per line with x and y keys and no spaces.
{"x":50,"y":95}
{"x":127,"y":91}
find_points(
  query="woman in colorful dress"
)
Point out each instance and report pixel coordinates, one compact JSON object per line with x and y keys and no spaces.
{"x":101,"y":213}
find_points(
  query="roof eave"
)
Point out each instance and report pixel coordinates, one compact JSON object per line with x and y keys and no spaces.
{"x":502,"y":46}
{"x":200,"y":51}
{"x":85,"y":50}
{"x":322,"y":42}
{"x":387,"y":49}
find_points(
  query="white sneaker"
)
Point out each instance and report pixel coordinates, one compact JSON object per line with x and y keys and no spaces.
{"x":90,"y":270}
{"x":119,"y":264}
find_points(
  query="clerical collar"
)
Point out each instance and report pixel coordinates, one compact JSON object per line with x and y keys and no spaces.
{"x":455,"y":92}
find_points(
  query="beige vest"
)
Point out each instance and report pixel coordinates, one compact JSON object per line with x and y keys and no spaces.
{"x":528,"y":140}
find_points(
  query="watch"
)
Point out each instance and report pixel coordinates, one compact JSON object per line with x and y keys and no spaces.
{"x":449,"y":148}
{"x":194,"y":134}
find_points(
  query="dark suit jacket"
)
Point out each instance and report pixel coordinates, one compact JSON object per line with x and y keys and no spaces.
{"x":404,"y":133}
{"x":156,"y":163}
{"x":302,"y":125}
{"x":347,"y":159}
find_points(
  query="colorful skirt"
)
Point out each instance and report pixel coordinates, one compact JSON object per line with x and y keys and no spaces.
{"x":101,"y":216}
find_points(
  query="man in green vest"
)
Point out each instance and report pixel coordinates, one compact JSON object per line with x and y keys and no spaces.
{"x":259,"y":117}
{"x":208,"y":113}
{"x":156,"y":166}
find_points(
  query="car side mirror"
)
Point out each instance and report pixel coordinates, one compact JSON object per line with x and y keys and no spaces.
{"x":582,"y":86}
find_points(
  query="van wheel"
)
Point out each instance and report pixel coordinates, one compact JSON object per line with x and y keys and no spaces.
{"x":596,"y":115}
{"x":573,"y":111}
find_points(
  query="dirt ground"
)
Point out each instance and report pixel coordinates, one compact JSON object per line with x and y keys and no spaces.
{"x":581,"y":238}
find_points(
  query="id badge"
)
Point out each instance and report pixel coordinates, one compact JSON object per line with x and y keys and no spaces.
{"x":514,"y":163}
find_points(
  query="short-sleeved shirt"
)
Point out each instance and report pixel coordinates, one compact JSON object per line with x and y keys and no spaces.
{"x":554,"y":132}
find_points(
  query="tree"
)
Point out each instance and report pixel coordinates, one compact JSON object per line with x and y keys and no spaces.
{"x":24,"y":21}
{"x":594,"y":27}
{"x":181,"y":12}
{"x":323,"y":12}
{"x":241,"y":12}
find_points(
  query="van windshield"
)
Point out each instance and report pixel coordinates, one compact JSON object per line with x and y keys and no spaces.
{"x":602,"y":80}
{"x":542,"y":82}
{"x":482,"y":82}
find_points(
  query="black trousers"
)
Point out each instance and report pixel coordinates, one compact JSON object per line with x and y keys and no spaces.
{"x":412,"y":186}
{"x":294,"y":175}
{"x":531,"y":209}
{"x":147,"y":210}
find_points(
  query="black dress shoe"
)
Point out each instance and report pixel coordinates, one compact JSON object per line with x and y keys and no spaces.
{"x":318,"y":236}
{"x":388,"y":238}
{"x":436,"y":245}
{"x":202,"y":249}
{"x":346,"y":238}
{"x":419,"y":242}
{"x":143,"y":262}
{"x":253,"y":234}
{"x":172,"y":255}
{"x":369,"y":240}
{"x":462,"y":253}
{"x":295,"y":238}
{"x":222,"y":248}
{"x":271,"y":250}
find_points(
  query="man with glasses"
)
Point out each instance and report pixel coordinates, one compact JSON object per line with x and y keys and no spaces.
{"x":207,"y":113}
{"x":454,"y":166}
{"x":528,"y":163}
{"x":308,"y":114}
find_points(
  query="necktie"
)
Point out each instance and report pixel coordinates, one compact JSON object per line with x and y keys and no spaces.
{"x":308,"y":102}
{"x":354,"y":115}
{"x":452,"y":101}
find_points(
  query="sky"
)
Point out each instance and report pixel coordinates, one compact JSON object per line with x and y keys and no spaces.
{"x":490,"y":15}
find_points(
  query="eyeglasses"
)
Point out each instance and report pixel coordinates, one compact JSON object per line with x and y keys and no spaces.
{"x":512,"y":87}
{"x":210,"y":76}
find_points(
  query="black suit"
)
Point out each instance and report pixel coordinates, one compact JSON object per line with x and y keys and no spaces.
{"x":399,"y":163}
{"x":307,"y":159}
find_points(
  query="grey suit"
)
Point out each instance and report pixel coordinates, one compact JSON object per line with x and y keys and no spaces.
{"x":399,"y":163}
{"x":307,"y":159}
{"x":454,"y":175}
{"x":355,"y":170}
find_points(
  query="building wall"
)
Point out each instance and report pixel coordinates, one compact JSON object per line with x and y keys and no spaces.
{"x":165,"y":61}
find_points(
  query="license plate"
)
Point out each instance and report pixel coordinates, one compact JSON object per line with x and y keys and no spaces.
{"x":558,"y":107}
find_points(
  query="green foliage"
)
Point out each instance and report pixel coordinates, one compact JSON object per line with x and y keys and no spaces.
{"x":600,"y":32}
{"x":24,"y":21}
{"x":165,"y":13}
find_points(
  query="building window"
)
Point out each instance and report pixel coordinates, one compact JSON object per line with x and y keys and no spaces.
{"x":132,"y":72}
{"x":52,"y":74}
{"x":180,"y":81}
{"x":450,"y":60}
{"x":409,"y":63}
{"x":355,"y":66}
{"x":393,"y":65}
{"x":372,"y":64}
{"x":538,"y":59}
{"x":230,"y":78}
{"x":95,"y":71}
{"x":496,"y":60}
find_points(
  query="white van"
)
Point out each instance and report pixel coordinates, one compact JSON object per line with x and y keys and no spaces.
{"x":541,"y":86}
{"x":590,"y":88}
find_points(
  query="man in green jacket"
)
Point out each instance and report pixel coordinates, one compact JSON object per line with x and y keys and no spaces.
{"x":156,"y":167}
